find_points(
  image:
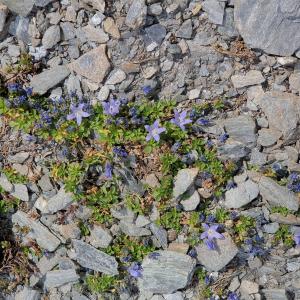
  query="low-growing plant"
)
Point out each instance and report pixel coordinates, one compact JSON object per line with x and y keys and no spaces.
{"x":284,"y":235}
{"x":100,"y":283}
{"x":281,"y":210}
{"x":171,"y":220}
{"x":243,"y":226}
{"x":13,"y":176}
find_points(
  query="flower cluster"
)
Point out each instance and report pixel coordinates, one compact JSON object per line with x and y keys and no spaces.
{"x":294,"y":182}
{"x":210,"y":235}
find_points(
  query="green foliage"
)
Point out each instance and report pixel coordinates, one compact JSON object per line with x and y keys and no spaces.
{"x":170,"y":163}
{"x":281,"y":210}
{"x":171,"y":220}
{"x":243,"y":226}
{"x":221,"y":215}
{"x":25,"y":65}
{"x":284,"y":235}
{"x":124,"y":246}
{"x":100,"y":283}
{"x":13,"y":176}
{"x":8,"y":204}
{"x":84,"y":229}
{"x":134,"y":203}
{"x":164,"y":191}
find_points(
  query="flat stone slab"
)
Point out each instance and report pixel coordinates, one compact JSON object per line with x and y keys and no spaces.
{"x":38,"y":231}
{"x":22,"y":8}
{"x":272,"y":26}
{"x":89,"y":257}
{"x":243,"y":194}
{"x":167,"y":273}
{"x":93,"y":65}
{"x":253,"y":77}
{"x":184,"y":180}
{"x":215,"y":260}
{"x":58,"y":278}
{"x":48,"y":79}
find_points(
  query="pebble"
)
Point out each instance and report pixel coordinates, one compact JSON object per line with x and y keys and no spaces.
{"x":192,"y":202}
{"x":249,"y":287}
{"x":253,"y":77}
{"x":57,"y":278}
{"x":184,"y":180}
{"x":136,"y":15}
{"x":28,"y":294}
{"x":111,"y":28}
{"x":133,"y":230}
{"x":215,"y":10}
{"x":20,"y":191}
{"x":99,"y":237}
{"x":51,"y":37}
{"x":5,"y":184}
{"x":115,"y":77}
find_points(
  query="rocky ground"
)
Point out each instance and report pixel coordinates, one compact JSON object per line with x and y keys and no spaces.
{"x":149,"y":149}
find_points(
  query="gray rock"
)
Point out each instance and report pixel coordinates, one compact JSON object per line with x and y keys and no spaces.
{"x":186,"y":30}
{"x":58,"y":278}
{"x":242,"y":129}
{"x":174,"y":296}
{"x":100,"y":237}
{"x":253,"y":77}
{"x":215,"y":260}
{"x":168,"y":273}
{"x":160,"y":234}
{"x":5,"y":184}
{"x":155,"y":9}
{"x":268,"y":137}
{"x":276,"y":194}
{"x":243,"y":194}
{"x":45,"y":183}
{"x":68,"y":31}
{"x":42,"y":3}
{"x":93,"y":65}
{"x":136,"y":15}
{"x":228,"y":27}
{"x":115,"y":77}
{"x":131,"y":229}
{"x":58,"y":202}
{"x":249,"y":287}
{"x":258,"y":158}
{"x":272,"y":26}
{"x":122,"y":213}
{"x":215,"y":10}
{"x":289,"y":219}
{"x":20,"y":192}
{"x":28,"y":294}
{"x":89,"y":257}
{"x":142,"y":221}
{"x":96,"y":4}
{"x":192,"y":202}
{"x":294,"y":81}
{"x":184,"y":180}
{"x":48,"y":79}
{"x":3,"y":15}
{"x":22,"y":8}
{"x":38,"y":231}
{"x":275,"y":294}
{"x":95,"y":34}
{"x":155,"y":34}
{"x":18,"y":158}
{"x":271,"y":228}
{"x":282,"y":112}
{"x":233,"y":150}
{"x":19,"y":28}
{"x":51,"y":37}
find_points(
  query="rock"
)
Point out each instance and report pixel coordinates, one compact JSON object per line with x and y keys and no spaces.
{"x":93,"y":65}
{"x":3,"y":15}
{"x":194,"y":94}
{"x":123,"y":213}
{"x":249,"y":287}
{"x":155,"y":9}
{"x":133,"y":230}
{"x":5,"y":184}
{"x":175,"y":296}
{"x":275,"y":294}
{"x":192,"y":202}
{"x":215,"y":10}
{"x":271,"y":228}
{"x":115,"y":77}
{"x":95,"y":34}
{"x":268,"y":137}
{"x":155,"y":34}
{"x":289,"y":219}
{"x":42,"y":3}
{"x":91,"y":258}
{"x":253,"y":77}
{"x":294,"y":81}
{"x":48,"y":79}
{"x":100,"y":237}
{"x":28,"y":294}
{"x":186,"y":30}
{"x":270,"y":26}
{"x":277,"y":195}
{"x":96,"y":4}
{"x":243,"y":194}
{"x":68,"y":31}
{"x":51,"y":37}
{"x":178,"y":247}
{"x":20,"y":192}
{"x":136,"y":15}
{"x":68,"y":231}
{"x":111,"y":28}
{"x":142,"y":221}
{"x":233,"y":150}
{"x":168,"y":273}
{"x":184,"y":180}
{"x":45,"y":183}
{"x":22,"y":8}
{"x":228,"y":27}
{"x":242,"y":129}
{"x":282,"y":112}
{"x":160,"y":234}
{"x":151,"y":180}
{"x":58,"y":202}
{"x":215,"y":260}
{"x":58,"y":278}
{"x":287,"y":61}
{"x":258,"y":158}
{"x":38,"y":231}
{"x":18,"y":158}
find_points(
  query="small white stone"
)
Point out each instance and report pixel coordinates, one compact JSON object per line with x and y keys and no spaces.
{"x":103,"y":93}
{"x":194,"y":94}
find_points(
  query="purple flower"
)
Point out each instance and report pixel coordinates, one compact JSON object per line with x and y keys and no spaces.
{"x":121,"y":152}
{"x":209,"y":143}
{"x":108,"y":170}
{"x":147,"y":90}
{"x":233,"y":296}
{"x":154,"y":131}
{"x":180,"y":119}
{"x":223,"y":137}
{"x":13,"y":87}
{"x":233,"y":215}
{"x":207,"y":280}
{"x":210,"y":234}
{"x":175,"y":147}
{"x":210,"y":218}
{"x":77,"y":113}
{"x":112,"y":107}
{"x":294,"y":177}
{"x":135,"y":270}
{"x":28,"y":91}
{"x":297,"y":238}
{"x":192,"y":253}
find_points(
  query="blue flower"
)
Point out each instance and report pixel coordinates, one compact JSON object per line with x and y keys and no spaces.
{"x":203,"y":122}
{"x":112,"y":107}
{"x":192,"y":253}
{"x":233,"y":296}
{"x":147,"y":90}
{"x":108,"y":170}
{"x":223,"y":137}
{"x":154,"y":131}
{"x":13,"y":87}
{"x":77,"y":113}
{"x":28,"y":91}
{"x":121,"y":152}
{"x":135,"y":270}
{"x":180,"y":119}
